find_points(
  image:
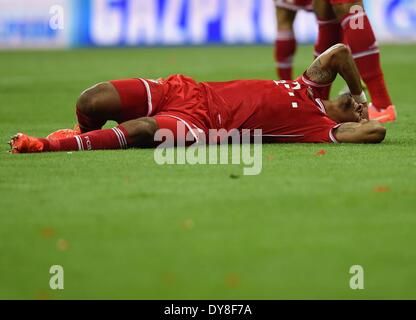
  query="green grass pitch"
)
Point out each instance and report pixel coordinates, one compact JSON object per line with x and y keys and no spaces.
{"x":123,"y":227}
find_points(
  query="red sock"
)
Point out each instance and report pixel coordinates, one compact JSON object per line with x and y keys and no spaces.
{"x":362,"y":41}
{"x":329,"y":34}
{"x":285,"y":48}
{"x":115,"y":138}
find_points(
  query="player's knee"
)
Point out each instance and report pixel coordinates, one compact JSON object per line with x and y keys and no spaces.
{"x":88,"y":102}
{"x":323,"y":10}
{"x":142,"y":131}
{"x":345,"y":9}
{"x":285,"y":19}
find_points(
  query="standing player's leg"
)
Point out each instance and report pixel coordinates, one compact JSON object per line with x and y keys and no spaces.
{"x":359,"y":36}
{"x":285,"y":45}
{"x":329,"y":31}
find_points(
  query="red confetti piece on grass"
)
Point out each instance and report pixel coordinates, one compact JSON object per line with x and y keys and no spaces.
{"x":232,"y":280}
{"x":321,"y":152}
{"x":169,"y":278}
{"x":62,"y":245}
{"x":188,"y":224}
{"x":381,"y":189}
{"x":47,"y":232}
{"x":270,"y":157}
{"x":42,"y":295}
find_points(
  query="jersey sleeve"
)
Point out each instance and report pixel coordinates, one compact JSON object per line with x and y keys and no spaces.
{"x":323,"y":134}
{"x":319,"y":90}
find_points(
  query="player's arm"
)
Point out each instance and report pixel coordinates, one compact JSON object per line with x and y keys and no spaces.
{"x":360,"y":132}
{"x":338,"y":60}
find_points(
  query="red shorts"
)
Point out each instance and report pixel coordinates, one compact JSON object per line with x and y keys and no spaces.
{"x":177,"y":102}
{"x":294,"y":5}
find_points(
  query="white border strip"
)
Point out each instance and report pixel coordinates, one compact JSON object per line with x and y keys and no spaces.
{"x":149,"y":97}
{"x":184,"y":122}
{"x":314,"y":84}
{"x":324,"y":22}
{"x":331,"y":134}
{"x":118,"y":137}
{"x":365,"y":53}
{"x":355,"y":16}
{"x":123,"y":136}
{"x":280,"y":135}
{"x":293,"y":7}
{"x":284,"y":65}
{"x":285,"y":35}
{"x":79,"y":142}
{"x":321,"y":105}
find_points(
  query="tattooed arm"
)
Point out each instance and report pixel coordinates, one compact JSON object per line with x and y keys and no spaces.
{"x":360,"y":132}
{"x":336,"y":60}
{"x":324,"y":70}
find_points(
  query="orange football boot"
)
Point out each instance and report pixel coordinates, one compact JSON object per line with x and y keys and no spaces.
{"x":64,"y":133}
{"x":382,"y":115}
{"x":22,"y":143}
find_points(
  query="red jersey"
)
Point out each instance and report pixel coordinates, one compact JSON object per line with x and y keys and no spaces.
{"x":285,"y":111}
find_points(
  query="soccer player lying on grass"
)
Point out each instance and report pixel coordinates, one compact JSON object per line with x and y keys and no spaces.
{"x":286,"y":111}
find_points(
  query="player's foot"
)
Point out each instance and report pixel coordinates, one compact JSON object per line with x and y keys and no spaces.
{"x":382,"y":115}
{"x":64,"y":133}
{"x":21,"y":143}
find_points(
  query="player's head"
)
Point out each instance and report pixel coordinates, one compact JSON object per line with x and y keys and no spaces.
{"x":345,"y":109}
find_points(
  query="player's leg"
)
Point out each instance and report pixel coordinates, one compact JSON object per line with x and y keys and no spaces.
{"x":285,"y":45}
{"x":96,"y":105}
{"x":132,"y":133}
{"x":329,"y":31}
{"x":118,"y":100}
{"x":359,"y":36}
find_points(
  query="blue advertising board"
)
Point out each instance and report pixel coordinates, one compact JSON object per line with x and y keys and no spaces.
{"x":66,"y":23}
